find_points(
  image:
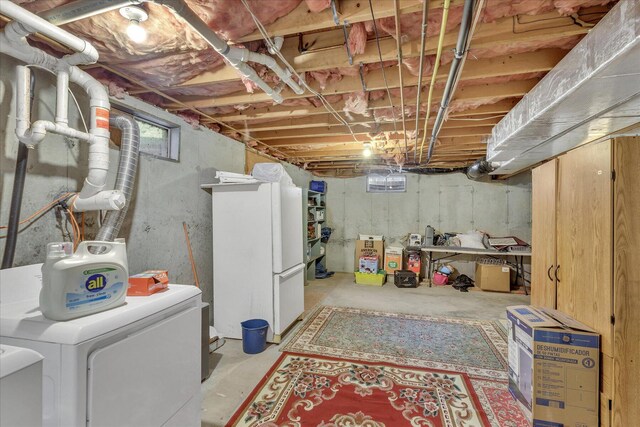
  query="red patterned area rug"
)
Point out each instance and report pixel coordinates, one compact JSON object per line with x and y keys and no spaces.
{"x":320,"y":391}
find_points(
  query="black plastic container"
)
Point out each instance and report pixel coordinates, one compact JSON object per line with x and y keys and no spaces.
{"x":405,"y":279}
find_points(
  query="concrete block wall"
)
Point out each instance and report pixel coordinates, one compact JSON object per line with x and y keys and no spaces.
{"x":166,"y":193}
{"x":447,"y":202}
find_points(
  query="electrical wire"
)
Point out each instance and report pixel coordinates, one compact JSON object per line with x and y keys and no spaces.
{"x":41,"y":211}
{"x":84,"y":123}
{"x":76,"y":228}
{"x":436,"y":66}
{"x":384,"y":76}
{"x":423,"y":37}
{"x":73,"y":227}
{"x":301,"y":80}
{"x":479,"y":8}
{"x":399,"y":49}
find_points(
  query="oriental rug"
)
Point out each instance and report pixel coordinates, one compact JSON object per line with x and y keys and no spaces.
{"x":319,"y":391}
{"x":474,"y":347}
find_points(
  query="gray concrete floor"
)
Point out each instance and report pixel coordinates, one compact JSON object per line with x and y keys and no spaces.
{"x":235,"y":374}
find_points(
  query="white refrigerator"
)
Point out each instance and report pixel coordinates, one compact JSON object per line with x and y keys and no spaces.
{"x":258,"y":267}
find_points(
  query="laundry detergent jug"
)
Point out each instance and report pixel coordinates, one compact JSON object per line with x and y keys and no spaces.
{"x":93,"y":279}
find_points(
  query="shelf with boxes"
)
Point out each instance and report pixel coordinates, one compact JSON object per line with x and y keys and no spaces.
{"x":314,"y":249}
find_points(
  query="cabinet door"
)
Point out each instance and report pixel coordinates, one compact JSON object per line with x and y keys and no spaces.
{"x":584,"y":238}
{"x":543,"y":239}
{"x":626,"y":397}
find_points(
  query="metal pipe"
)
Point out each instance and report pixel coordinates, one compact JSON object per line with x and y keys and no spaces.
{"x":399,"y":50}
{"x":20,"y":174}
{"x":423,"y":36}
{"x":129,"y":150}
{"x":460,"y":53}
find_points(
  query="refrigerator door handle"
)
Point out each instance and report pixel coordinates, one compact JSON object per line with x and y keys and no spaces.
{"x":291,"y":272}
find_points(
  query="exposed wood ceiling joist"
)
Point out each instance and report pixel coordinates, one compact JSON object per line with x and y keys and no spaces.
{"x":505,"y":31}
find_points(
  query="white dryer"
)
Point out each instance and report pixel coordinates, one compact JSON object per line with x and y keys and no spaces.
{"x":135,"y":365}
{"x":20,"y":387}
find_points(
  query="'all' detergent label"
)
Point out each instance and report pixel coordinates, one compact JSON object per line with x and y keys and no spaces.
{"x":96,"y":287}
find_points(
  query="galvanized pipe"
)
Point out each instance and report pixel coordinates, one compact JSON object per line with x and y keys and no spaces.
{"x":454,"y":73}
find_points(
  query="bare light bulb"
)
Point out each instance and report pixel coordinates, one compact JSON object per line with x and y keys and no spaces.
{"x":367,"y":152}
{"x":136,"y":32}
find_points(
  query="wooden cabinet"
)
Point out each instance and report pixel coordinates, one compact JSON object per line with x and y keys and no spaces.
{"x":586,"y":258}
{"x":543,"y":232}
{"x":584,"y":238}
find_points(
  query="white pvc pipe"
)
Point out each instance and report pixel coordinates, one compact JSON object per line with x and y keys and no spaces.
{"x":23,"y":92}
{"x":111,"y":200}
{"x":62,"y":98}
{"x":13,"y":43}
{"x":278,"y":41}
{"x":33,"y":23}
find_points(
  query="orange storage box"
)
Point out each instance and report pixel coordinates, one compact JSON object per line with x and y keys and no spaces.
{"x":147,"y":283}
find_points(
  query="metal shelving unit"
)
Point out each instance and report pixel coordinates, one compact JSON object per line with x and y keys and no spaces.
{"x":314,"y":250}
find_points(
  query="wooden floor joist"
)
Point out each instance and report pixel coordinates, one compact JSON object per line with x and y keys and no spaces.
{"x":531,"y":62}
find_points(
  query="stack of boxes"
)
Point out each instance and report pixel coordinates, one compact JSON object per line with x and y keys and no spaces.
{"x":368,"y":256}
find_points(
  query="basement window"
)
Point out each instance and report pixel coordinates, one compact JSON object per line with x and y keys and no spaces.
{"x":158,"y":138}
{"x":393,"y":183}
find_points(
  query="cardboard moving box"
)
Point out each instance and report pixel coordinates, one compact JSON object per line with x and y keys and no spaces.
{"x":493,"y":277}
{"x":368,"y":248}
{"x":553,"y":367}
{"x":393,"y":259}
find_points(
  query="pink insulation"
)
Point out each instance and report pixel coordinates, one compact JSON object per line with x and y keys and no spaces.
{"x":413,"y":65}
{"x":357,"y":103}
{"x":357,"y":38}
{"x":174,"y":54}
{"x":190,"y":117}
{"x":325,"y":77}
{"x":318,"y":5}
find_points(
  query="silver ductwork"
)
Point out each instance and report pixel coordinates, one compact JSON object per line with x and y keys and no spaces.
{"x":593,"y":92}
{"x":129,"y":152}
{"x":480,"y":168}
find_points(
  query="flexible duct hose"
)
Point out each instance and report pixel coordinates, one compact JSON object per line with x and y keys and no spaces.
{"x":129,"y":150}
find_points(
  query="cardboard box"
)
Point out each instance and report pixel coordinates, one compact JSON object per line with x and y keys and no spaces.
{"x":368,"y":264}
{"x":370,"y":237}
{"x":553,"y":367}
{"x":393,"y":259}
{"x":493,"y":277}
{"x":371,"y":279}
{"x":368,"y":247}
{"x":148,"y":283}
{"x":415,"y":240}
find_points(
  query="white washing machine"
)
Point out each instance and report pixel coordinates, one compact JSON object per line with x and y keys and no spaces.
{"x":135,"y":365}
{"x":20,"y":387}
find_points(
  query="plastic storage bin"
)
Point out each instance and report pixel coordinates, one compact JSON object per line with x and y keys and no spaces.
{"x":319,"y":186}
{"x":371,"y":279}
{"x":254,"y":335}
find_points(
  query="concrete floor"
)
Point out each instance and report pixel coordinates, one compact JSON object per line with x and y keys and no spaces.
{"x":235,"y":374}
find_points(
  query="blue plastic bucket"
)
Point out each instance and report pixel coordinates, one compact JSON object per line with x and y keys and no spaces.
{"x":254,"y":335}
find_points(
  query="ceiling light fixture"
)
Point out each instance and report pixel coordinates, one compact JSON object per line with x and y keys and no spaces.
{"x":135,"y":15}
{"x":367,"y":152}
